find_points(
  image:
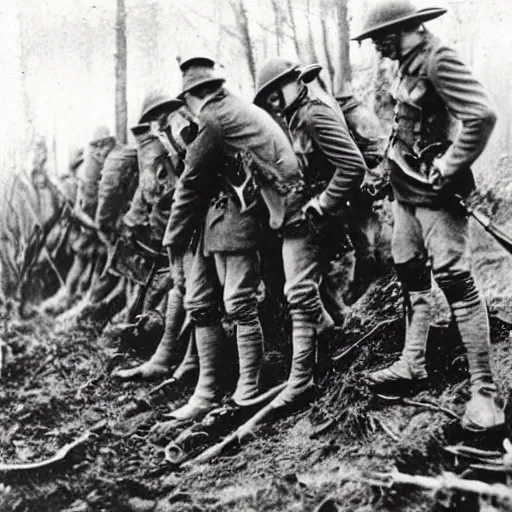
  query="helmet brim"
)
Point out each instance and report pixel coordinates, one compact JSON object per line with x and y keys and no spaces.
{"x":166,"y":106}
{"x":268,"y":86}
{"x":198,"y":83}
{"x":421,"y":16}
{"x":309,"y":73}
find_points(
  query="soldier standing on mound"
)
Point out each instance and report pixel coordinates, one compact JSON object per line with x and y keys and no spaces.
{"x":170,"y":118}
{"x":333,"y":172}
{"x":443,"y":120}
{"x":214,"y":192}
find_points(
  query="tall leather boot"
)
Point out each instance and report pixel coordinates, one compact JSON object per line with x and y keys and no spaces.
{"x":470,"y":313}
{"x":209,"y":341}
{"x":397,"y":379}
{"x":167,"y":353}
{"x":250,"y":354}
{"x":190,"y":361}
{"x":300,"y":379}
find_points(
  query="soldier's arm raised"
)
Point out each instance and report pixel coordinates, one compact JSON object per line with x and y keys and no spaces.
{"x":195,"y":188}
{"x":468,"y":101}
{"x":333,"y":138}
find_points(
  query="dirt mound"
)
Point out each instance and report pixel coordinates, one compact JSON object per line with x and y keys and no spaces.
{"x":56,"y":386}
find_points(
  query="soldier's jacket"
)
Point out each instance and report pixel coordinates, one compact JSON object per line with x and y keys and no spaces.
{"x":89,"y":174}
{"x":332,"y":161}
{"x":231,"y":134}
{"x":366,"y":129}
{"x":160,"y":158}
{"x":84,"y":241}
{"x":439,"y":104}
{"x":117,"y":185}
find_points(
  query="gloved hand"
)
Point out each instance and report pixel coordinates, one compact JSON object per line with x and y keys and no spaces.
{"x":376,"y":181}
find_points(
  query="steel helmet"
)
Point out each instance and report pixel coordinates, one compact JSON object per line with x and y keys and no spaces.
{"x":386,"y":15}
{"x":271,"y":73}
{"x":197,"y":71}
{"x":309,"y":73}
{"x":157,"y":103}
{"x":195,"y":60}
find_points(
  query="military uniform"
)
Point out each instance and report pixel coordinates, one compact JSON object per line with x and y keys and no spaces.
{"x":333,"y":170}
{"x":443,"y":120}
{"x":162,"y":140}
{"x":226,"y":267}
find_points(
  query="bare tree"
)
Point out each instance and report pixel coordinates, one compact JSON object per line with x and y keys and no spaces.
{"x":242,"y":20}
{"x":325,"y":13}
{"x":295,"y":32}
{"x":23,"y":41}
{"x":121,"y":61}
{"x":345,"y":70}
{"x":313,"y":57}
{"x":278,"y":18}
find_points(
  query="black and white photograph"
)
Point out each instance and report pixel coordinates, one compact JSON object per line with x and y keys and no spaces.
{"x":255,"y":255}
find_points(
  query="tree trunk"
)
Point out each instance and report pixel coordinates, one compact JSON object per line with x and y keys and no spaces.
{"x":325,"y":12}
{"x":277,"y":24}
{"x":294,"y":29}
{"x":243,"y":25}
{"x":121,"y":59}
{"x":313,"y":57}
{"x":345,"y":70}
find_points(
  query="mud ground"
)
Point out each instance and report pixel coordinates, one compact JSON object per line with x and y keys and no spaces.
{"x":55,"y":386}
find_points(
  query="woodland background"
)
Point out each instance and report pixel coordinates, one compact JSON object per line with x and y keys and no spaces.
{"x":63,"y":62}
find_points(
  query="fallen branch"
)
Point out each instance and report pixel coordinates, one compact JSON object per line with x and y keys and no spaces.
{"x":446,"y":481}
{"x":239,"y":434}
{"x":59,"y":456}
{"x":432,"y":407}
{"x":344,"y":353}
{"x":386,"y":429}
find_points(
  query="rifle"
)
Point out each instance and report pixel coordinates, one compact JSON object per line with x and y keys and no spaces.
{"x":487,"y":223}
{"x":119,"y":263}
{"x":404,"y":161}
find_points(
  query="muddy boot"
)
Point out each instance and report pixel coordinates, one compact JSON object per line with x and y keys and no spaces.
{"x":300,"y":381}
{"x":206,"y":394}
{"x":408,"y":375}
{"x":250,"y":354}
{"x":190,"y":362}
{"x":167,"y":352}
{"x":469,"y":310}
{"x":209,"y":341}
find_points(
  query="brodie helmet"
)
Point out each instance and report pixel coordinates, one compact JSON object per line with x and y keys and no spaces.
{"x":157,"y":103}
{"x":271,"y":73}
{"x":386,"y":15}
{"x":197,"y":71}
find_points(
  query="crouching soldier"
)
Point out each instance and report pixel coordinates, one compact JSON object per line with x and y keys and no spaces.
{"x":215,"y":190}
{"x":443,"y":120}
{"x":333,"y":170}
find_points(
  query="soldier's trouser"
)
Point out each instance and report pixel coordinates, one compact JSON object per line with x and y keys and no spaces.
{"x":303,"y":274}
{"x":443,"y":236}
{"x":168,"y":349}
{"x":231,"y":279}
{"x":364,"y":229}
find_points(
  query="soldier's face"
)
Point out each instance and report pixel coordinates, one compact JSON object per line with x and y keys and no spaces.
{"x":388,"y":45}
{"x":274,"y":101}
{"x":194,"y":103}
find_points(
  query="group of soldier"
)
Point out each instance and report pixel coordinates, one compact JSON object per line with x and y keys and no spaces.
{"x":212,"y":175}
